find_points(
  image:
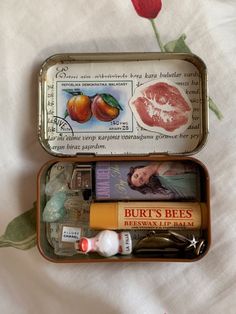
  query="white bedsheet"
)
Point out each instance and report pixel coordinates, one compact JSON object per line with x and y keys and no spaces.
{"x":30,"y":31}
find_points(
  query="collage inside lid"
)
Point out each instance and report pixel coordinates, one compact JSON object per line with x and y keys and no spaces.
{"x":122,"y":107}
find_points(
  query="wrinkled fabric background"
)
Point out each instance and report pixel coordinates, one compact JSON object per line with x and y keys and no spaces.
{"x":31,"y":31}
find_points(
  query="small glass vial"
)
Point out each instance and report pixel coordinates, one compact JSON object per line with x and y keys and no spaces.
{"x":77,"y":208}
{"x":81,"y":178}
{"x":68,"y":233}
{"x":74,"y":225}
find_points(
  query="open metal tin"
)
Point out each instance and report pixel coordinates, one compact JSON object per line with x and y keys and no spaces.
{"x":120,"y":131}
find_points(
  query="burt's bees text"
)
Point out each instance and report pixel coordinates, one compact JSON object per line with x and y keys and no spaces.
{"x":166,"y":216}
{"x":154,"y":217}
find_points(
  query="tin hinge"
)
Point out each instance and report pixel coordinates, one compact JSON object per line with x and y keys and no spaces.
{"x":159,"y":155}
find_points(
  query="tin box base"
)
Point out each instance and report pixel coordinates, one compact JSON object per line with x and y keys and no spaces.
{"x":47,"y":249}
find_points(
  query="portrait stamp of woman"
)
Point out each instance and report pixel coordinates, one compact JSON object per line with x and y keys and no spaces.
{"x":142,"y":180}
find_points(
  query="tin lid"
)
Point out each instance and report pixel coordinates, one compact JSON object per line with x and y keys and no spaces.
{"x":123,"y":104}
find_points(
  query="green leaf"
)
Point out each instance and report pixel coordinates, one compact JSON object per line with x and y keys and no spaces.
{"x":21,"y":231}
{"x":109,"y":99}
{"x":22,"y":245}
{"x":66,"y":114}
{"x":178,"y":45}
{"x":215,"y":109}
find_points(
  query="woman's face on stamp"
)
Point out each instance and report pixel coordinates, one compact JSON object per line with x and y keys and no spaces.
{"x":140,"y":177}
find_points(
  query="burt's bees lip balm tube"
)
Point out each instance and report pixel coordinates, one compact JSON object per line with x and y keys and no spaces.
{"x":146,"y":215}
